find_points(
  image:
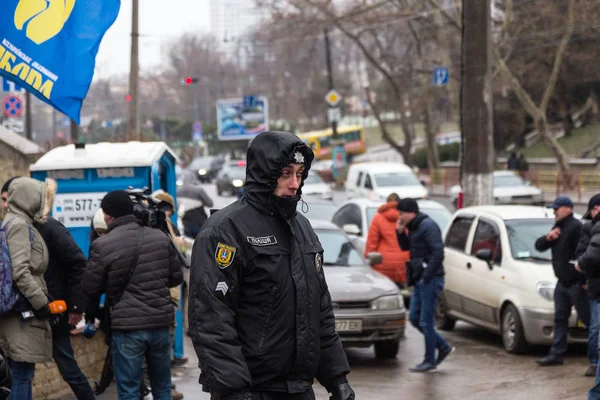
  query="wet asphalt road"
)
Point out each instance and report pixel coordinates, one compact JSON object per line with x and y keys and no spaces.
{"x":479,"y":369}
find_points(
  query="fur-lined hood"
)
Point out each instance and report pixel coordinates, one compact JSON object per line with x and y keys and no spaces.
{"x":31,"y":199}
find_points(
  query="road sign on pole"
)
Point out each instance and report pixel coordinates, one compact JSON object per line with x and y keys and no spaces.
{"x":333,"y":98}
{"x":12,"y":106}
{"x":197,"y":132}
{"x":441,"y":75}
{"x":334,"y":114}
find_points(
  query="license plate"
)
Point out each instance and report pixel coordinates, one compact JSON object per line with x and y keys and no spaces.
{"x":348,"y":325}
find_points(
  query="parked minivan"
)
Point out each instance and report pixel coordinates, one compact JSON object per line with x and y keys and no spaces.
{"x":376,"y":180}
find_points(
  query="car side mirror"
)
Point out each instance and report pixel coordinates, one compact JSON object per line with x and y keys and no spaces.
{"x":351,"y":229}
{"x":485,"y":255}
{"x":423,"y":183}
{"x":374,"y":258}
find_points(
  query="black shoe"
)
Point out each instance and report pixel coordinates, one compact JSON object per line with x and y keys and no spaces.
{"x":178,"y":362}
{"x":591,"y":371}
{"x":550,"y":360}
{"x":443,"y":354}
{"x":423,"y":367}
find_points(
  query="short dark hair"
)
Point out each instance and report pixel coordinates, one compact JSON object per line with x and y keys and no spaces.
{"x":7,"y":184}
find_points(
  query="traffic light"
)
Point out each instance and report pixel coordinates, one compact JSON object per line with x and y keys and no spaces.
{"x":128,"y":97}
{"x":188,"y":80}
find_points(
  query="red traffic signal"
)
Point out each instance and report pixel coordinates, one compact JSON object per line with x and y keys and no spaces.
{"x":188,"y":80}
{"x":128,"y":97}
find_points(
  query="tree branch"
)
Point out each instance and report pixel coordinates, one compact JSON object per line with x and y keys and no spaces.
{"x":456,"y":24}
{"x":559,"y":57}
{"x":520,"y":92}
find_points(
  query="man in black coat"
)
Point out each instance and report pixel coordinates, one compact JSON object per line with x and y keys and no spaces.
{"x":426,"y":273}
{"x":260,"y":314}
{"x":563,"y":239}
{"x":66,"y":266}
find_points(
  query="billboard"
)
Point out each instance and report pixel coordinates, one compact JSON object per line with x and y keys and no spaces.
{"x":242,"y":118}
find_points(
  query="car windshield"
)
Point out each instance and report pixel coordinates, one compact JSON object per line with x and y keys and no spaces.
{"x":508,"y":180}
{"x":312,"y":179}
{"x":440,"y":216}
{"x":371,"y":212}
{"x":203,"y":162}
{"x":337,"y":250}
{"x":396,"y":179}
{"x":316,"y":210}
{"x":522,"y":235}
{"x":236,"y":173}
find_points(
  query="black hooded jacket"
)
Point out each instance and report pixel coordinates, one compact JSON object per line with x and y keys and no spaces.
{"x":588,"y":255}
{"x":260,"y":310}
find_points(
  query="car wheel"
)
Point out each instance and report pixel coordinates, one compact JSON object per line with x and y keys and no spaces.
{"x":443,"y":321}
{"x":219,"y":191}
{"x":513,"y":338}
{"x":387,"y":350}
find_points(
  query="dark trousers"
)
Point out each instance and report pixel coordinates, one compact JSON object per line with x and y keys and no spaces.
{"x":564,"y":299}
{"x":22,"y":384}
{"x":258,"y":395}
{"x":62,"y":351}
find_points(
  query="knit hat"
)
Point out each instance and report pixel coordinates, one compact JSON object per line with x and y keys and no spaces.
{"x":99,"y":220}
{"x":408,"y":205}
{"x":117,"y":204}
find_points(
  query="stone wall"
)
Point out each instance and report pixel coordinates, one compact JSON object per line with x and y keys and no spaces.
{"x":90,"y":353}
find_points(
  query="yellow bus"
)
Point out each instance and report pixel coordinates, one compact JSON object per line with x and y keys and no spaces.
{"x":353,"y":138}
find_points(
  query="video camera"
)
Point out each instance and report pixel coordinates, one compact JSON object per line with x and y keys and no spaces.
{"x":152,"y":213}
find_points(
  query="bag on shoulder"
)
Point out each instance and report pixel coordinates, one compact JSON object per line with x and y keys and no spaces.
{"x":9,"y":294}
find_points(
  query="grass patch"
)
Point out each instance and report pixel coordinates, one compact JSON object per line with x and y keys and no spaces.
{"x":373,"y":134}
{"x":573,"y":145}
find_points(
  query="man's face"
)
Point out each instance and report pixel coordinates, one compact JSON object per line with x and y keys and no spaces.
{"x":594,"y":211}
{"x":108,"y":219}
{"x":4,"y":200}
{"x":406,"y":217}
{"x":561,"y":212}
{"x":289,"y":181}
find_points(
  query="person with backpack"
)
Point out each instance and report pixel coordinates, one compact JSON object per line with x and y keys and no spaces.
{"x":27,"y":341}
{"x":63,"y":276}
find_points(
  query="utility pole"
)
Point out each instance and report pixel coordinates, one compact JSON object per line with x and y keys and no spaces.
{"x":74,"y":132}
{"x":134,"y":105}
{"x":53,"y":123}
{"x":330,"y":78}
{"x":163,"y":129}
{"x":476,"y":104}
{"x":28,"y":125}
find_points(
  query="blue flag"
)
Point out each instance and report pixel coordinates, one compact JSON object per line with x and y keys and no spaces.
{"x":49,"y":47}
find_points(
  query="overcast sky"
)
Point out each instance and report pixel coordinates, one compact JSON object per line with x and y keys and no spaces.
{"x":160,"y":21}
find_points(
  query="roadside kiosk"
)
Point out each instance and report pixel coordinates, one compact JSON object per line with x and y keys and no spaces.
{"x":85,"y":173}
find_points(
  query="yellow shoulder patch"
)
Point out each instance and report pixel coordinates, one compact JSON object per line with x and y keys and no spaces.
{"x":224,"y":255}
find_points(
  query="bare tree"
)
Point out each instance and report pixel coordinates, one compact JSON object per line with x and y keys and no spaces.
{"x":538,"y":112}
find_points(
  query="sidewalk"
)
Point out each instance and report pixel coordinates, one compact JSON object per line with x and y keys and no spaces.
{"x":549,"y":194}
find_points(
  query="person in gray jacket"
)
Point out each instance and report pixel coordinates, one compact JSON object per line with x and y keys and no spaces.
{"x":135,"y":266}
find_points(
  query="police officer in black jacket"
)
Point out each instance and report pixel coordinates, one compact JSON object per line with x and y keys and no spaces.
{"x":260,"y":312}
{"x":563,"y":240}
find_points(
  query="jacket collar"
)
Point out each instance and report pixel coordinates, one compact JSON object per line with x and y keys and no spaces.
{"x":128,"y":219}
{"x":414,"y":224}
{"x":565,"y":220}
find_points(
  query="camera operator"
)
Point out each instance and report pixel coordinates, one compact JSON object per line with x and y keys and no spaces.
{"x":135,"y":266}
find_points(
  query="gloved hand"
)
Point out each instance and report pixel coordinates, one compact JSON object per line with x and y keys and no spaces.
{"x":243,"y":395}
{"x":342,"y":392}
{"x":43,"y":312}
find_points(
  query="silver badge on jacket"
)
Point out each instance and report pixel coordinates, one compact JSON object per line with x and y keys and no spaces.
{"x":319,"y":261}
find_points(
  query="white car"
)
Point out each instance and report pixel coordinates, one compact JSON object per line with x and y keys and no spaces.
{"x":315,"y":187}
{"x":376,"y":180}
{"x":355,"y":216}
{"x":509,"y":188}
{"x":367,"y":305}
{"x":496,"y":279}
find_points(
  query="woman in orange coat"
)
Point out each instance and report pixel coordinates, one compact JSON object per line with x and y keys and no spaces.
{"x":382,"y":239}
